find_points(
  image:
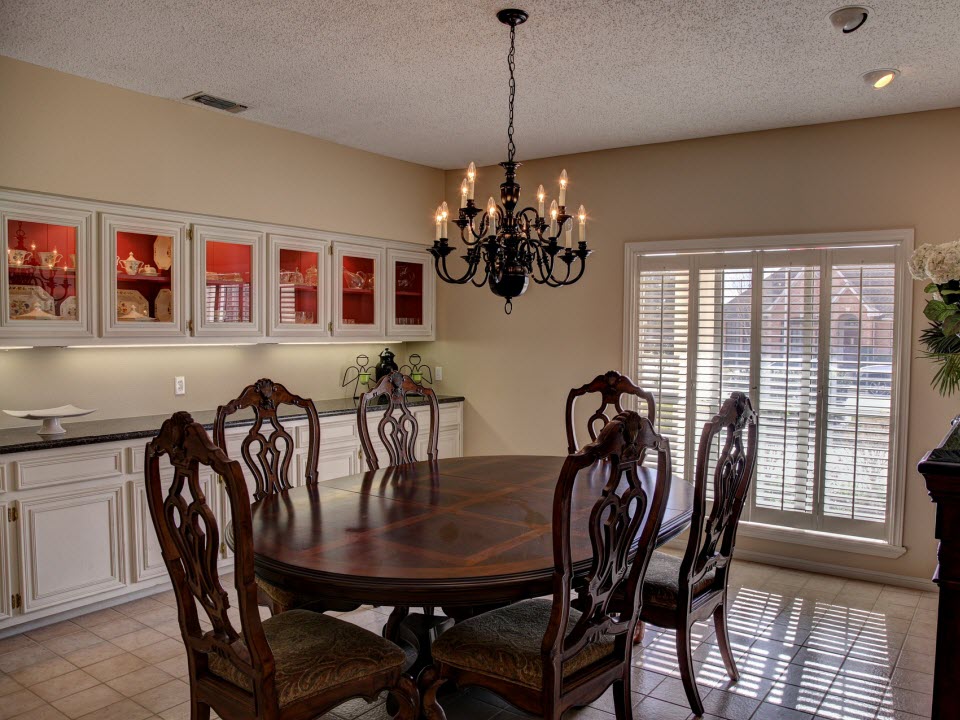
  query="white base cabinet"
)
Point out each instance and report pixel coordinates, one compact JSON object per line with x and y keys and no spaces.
{"x":75,"y":528}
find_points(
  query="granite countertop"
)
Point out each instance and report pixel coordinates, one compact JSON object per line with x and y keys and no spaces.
{"x":89,"y":432}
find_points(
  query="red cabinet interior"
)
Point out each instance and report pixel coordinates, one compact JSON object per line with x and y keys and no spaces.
{"x":359,"y":288}
{"x":298,"y":285}
{"x":41,"y":270}
{"x":229,"y":268}
{"x":149,"y":284}
{"x":409,"y":293}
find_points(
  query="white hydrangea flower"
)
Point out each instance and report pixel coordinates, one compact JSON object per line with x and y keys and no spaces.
{"x":918,"y":262}
{"x":943,"y":263}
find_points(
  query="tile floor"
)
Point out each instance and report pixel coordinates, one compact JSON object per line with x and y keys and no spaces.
{"x":808,"y":646}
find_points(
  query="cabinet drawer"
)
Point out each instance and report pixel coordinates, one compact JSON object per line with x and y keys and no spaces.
{"x":337,"y":432}
{"x":71,"y":546}
{"x":68,"y":467}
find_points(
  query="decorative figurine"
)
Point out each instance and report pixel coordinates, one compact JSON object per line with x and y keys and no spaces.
{"x":417,"y":370}
{"x":386,"y":365}
{"x":358,"y":374}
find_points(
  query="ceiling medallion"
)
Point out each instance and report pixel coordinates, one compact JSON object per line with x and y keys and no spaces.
{"x":512,"y":246}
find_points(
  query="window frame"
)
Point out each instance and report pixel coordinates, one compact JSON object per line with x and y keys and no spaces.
{"x":902,"y":242}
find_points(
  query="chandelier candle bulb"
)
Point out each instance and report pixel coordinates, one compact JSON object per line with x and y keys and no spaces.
{"x":439,"y":220}
{"x":582,"y":214}
{"x":541,"y":196}
{"x":568,"y":238}
{"x":471,"y":178}
{"x":563,"y":187}
{"x":492,"y":216}
{"x":464,"y":190}
{"x":445,"y":216}
{"x":553,"y":219}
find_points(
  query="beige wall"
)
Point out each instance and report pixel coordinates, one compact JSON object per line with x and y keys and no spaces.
{"x":66,"y":135}
{"x":893,"y":172}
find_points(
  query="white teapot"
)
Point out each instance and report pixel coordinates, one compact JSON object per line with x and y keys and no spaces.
{"x":131,"y":266}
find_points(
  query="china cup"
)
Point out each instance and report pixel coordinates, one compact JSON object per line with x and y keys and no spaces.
{"x":50,"y":259}
{"x":18,"y":257}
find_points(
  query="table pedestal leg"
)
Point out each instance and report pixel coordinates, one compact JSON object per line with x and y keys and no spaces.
{"x":414,"y":633}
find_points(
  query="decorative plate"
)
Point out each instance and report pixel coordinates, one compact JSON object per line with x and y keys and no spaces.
{"x":68,"y":308}
{"x":163,"y":251}
{"x":131,"y":302}
{"x":23,"y":298}
{"x":164,"y":305}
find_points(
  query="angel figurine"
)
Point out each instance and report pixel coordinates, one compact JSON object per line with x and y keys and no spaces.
{"x":358,"y":374}
{"x":417,"y":371}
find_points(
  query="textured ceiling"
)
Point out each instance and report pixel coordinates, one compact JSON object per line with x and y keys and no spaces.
{"x":426,"y":80}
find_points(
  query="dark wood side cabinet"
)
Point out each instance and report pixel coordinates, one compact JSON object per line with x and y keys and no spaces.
{"x":941,"y":469}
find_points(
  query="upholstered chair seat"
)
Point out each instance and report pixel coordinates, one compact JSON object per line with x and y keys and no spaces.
{"x":314,"y":653}
{"x":661,"y":586}
{"x":507,"y":642}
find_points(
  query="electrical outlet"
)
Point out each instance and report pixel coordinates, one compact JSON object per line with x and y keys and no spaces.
{"x":438,"y":374}
{"x":179,"y":385}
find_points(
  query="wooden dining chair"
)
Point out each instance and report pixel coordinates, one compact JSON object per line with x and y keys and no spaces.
{"x":611,"y":386}
{"x":548,"y":655}
{"x":398,"y":428}
{"x":679,"y":592}
{"x":292,"y":666}
{"x":268,"y":452}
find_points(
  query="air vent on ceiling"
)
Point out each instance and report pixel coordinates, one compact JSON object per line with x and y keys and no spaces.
{"x":215,"y":102}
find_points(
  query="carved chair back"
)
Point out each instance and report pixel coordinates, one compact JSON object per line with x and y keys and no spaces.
{"x":398,"y":428}
{"x":623,"y":525}
{"x":611,"y":386}
{"x":713,"y":529}
{"x":190,"y":544}
{"x":268,"y":449}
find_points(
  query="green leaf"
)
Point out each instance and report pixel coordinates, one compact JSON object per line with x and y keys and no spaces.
{"x":934,"y":309}
{"x":931,"y":288}
{"x":951,"y":326}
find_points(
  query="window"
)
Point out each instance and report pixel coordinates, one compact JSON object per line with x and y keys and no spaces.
{"x":810,"y":328}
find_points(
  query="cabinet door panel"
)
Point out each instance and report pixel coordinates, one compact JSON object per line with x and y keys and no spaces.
{"x":144,"y":270}
{"x":71,"y":546}
{"x":337,"y":462}
{"x":6,"y":609}
{"x":358,"y":295}
{"x":297,"y":283}
{"x":410,"y":292}
{"x":228,"y":281}
{"x":46,"y":272}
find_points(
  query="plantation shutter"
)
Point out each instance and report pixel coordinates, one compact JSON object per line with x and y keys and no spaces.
{"x":810,"y":335}
{"x":662,"y":351}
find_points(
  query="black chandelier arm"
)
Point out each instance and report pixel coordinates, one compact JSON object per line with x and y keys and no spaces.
{"x":441,"y":250}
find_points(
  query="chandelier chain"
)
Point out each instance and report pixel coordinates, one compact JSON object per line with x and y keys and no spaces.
{"x":511,"y":64}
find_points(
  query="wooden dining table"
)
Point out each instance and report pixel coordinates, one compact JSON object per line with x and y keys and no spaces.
{"x":459,"y":533}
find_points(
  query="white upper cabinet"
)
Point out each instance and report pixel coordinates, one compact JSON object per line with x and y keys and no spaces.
{"x":46,"y":294}
{"x":409,"y":288}
{"x":298,"y":283}
{"x":228,"y":299}
{"x":358,"y":298}
{"x":144,"y":270}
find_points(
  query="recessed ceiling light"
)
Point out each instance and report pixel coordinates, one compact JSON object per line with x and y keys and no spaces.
{"x":880,"y":78}
{"x":850,"y":18}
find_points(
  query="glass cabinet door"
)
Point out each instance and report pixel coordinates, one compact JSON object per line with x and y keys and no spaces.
{"x":297,"y":281}
{"x":46,"y":273}
{"x":358,"y":301}
{"x":410,"y":304}
{"x":143,"y":271}
{"x":227,"y":270}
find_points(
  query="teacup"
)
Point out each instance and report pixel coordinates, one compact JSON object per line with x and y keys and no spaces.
{"x":18,"y":257}
{"x":50,"y":259}
{"x":148,"y":270}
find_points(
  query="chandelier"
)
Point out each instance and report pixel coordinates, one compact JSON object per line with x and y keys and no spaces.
{"x":512,"y":246}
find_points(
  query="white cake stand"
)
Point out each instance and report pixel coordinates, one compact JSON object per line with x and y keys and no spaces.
{"x":50,"y":417}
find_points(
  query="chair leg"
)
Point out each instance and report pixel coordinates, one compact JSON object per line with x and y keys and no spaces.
{"x":638,"y":632}
{"x":199,"y":710}
{"x":687,"y":672}
{"x":723,"y":640}
{"x":430,"y":682}
{"x":622,"y":697}
{"x":408,"y":698}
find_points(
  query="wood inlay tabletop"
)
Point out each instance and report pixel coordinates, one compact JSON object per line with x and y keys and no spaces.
{"x":457,"y":532}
